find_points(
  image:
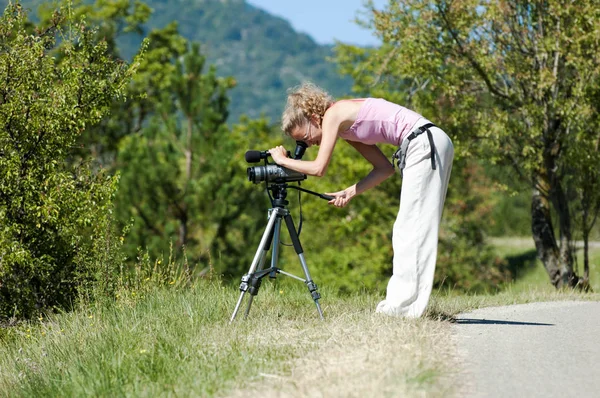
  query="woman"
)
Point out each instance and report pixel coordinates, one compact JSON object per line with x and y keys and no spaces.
{"x":425,"y":160}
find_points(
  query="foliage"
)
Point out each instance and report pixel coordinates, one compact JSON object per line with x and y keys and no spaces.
{"x":465,"y":260}
{"x":54,"y":216}
{"x":182,"y":182}
{"x":112,"y":21}
{"x":514,"y":79}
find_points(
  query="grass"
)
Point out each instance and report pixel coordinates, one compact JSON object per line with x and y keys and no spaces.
{"x":529,"y":270}
{"x":179,"y":342}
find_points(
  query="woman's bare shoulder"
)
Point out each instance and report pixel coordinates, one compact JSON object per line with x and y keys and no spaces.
{"x":345,"y":111}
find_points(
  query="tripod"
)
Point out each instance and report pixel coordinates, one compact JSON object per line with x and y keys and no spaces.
{"x":252,"y":280}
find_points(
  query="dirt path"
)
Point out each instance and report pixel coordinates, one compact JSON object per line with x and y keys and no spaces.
{"x":531,"y":350}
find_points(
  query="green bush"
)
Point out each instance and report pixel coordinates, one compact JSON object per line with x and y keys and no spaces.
{"x":55,"y":217}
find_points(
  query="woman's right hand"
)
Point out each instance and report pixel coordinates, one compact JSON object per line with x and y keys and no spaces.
{"x":341,"y":198}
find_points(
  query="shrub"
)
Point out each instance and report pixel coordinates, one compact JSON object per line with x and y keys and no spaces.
{"x":54,"y":215}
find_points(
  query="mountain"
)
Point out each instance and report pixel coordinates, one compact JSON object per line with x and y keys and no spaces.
{"x":261,"y":51}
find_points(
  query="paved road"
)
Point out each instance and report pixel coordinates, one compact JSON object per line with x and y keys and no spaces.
{"x":531,"y":350}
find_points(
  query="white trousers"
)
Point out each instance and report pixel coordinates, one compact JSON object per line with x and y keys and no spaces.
{"x":415,"y":233}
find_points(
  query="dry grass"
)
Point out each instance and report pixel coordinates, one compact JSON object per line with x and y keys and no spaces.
{"x":357,"y":353}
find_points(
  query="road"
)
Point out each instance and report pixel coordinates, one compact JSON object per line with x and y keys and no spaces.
{"x":531,"y":350}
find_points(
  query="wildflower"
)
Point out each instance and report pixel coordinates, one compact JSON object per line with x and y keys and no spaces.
{"x":281,"y":292}
{"x":143,"y":351}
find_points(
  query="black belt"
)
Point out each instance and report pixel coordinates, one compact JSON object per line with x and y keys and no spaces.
{"x":400,"y":154}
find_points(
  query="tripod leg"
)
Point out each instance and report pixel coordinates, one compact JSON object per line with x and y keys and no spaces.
{"x":274,"y":239}
{"x":312,"y":287}
{"x":260,"y":252}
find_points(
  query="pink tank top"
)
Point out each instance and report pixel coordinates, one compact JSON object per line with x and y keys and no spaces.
{"x":381,"y":121}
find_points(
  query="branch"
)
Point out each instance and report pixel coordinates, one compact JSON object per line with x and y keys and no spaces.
{"x":384,"y":65}
{"x":147,"y":220}
{"x":478,"y":68}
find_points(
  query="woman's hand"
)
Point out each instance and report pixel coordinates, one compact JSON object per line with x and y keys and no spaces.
{"x":341,"y":198}
{"x":278,"y":154}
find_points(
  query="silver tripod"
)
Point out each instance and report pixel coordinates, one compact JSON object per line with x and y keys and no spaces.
{"x":252,"y":280}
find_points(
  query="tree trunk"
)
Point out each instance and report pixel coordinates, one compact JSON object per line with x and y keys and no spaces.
{"x":565,"y":247}
{"x":557,"y":260}
{"x":183,"y":219}
{"x":586,"y":262}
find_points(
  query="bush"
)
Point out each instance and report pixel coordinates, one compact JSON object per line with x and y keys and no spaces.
{"x":54,"y":216}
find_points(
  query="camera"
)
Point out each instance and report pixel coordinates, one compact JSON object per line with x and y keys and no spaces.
{"x":273,"y":173}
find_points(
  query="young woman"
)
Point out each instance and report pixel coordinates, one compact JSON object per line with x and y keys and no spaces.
{"x":424,"y":158}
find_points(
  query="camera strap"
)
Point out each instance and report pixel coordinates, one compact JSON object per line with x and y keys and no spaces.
{"x":399,"y":156}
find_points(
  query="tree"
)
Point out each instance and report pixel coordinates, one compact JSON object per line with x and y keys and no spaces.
{"x":113,"y":20}
{"x":54,"y":216}
{"x":584,"y":155}
{"x":518,"y":74}
{"x":179,"y":174}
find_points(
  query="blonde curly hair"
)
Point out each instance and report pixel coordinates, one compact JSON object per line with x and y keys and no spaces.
{"x":303,"y":102}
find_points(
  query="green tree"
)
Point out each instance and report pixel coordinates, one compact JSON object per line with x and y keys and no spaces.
{"x":181,"y":176}
{"x":114,"y":20}
{"x":517,"y":74}
{"x":584,"y":182}
{"x":54,"y":216}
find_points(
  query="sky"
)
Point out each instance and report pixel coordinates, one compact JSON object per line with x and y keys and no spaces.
{"x":324,"y":20}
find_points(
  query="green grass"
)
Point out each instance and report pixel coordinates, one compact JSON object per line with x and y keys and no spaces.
{"x":529,"y":270}
{"x":179,"y":342}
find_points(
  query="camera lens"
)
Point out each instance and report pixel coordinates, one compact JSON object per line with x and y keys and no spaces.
{"x":251,"y":174}
{"x":273,"y":173}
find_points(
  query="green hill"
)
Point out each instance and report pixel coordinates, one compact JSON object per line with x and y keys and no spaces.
{"x":263,"y":52}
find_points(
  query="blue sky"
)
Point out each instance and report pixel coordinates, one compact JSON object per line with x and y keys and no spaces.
{"x":324,"y":20}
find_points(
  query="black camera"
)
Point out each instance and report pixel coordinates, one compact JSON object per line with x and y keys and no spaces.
{"x":273,"y":173}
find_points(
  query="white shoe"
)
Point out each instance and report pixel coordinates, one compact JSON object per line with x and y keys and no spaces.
{"x":384,"y":307}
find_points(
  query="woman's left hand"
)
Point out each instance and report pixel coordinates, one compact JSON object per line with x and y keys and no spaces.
{"x":278,"y":154}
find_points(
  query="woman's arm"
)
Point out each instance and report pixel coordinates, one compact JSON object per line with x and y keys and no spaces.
{"x":382,"y":169}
